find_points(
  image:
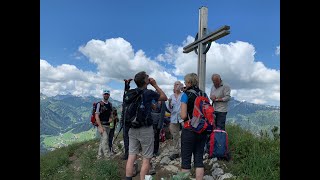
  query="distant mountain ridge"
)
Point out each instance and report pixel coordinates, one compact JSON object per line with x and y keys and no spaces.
{"x":63,"y":113}
{"x":242,"y":107}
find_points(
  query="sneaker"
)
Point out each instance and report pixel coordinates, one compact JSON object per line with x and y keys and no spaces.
{"x":99,"y":157}
{"x":135,"y":169}
{"x":174,"y":156}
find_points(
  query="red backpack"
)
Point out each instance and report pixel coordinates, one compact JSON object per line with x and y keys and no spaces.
{"x":93,"y":113}
{"x":203,"y":118}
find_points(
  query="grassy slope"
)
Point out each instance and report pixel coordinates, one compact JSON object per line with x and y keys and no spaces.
{"x":68,"y":138}
{"x":252,"y":158}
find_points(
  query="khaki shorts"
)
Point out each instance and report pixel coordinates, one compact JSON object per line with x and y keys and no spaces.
{"x":143,"y":137}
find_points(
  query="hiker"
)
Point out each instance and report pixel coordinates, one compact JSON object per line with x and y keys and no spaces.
{"x":220,"y":96}
{"x":143,"y":136}
{"x":113,"y":125}
{"x":103,"y":119}
{"x":192,"y":143}
{"x":158,"y":110}
{"x":175,"y":119}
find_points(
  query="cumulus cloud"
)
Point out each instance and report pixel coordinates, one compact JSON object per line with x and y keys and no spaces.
{"x":116,"y":60}
{"x":170,"y":54}
{"x":237,"y":66}
{"x":68,"y":79}
{"x":278,"y":50}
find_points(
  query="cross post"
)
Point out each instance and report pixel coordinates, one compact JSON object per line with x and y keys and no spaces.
{"x":202,"y":43}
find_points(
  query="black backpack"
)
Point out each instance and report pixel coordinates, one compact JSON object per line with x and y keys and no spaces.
{"x":135,"y":114}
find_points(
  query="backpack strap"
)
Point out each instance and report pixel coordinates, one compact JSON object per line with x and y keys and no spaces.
{"x":101,"y":104}
{"x":193,"y":91}
{"x":200,"y":93}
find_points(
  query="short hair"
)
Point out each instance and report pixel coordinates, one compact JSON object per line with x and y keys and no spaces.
{"x":192,"y":78}
{"x":140,"y":78}
{"x":179,"y":82}
{"x":216,"y":75}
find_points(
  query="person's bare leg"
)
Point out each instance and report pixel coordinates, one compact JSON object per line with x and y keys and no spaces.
{"x":199,"y":173}
{"x":185,"y":170}
{"x":145,"y":167}
{"x":129,"y":166}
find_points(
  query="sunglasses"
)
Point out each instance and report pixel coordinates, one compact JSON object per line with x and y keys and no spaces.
{"x":106,"y":94}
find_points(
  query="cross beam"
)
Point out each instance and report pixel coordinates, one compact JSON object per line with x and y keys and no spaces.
{"x":221,"y":32}
{"x":203,"y":41}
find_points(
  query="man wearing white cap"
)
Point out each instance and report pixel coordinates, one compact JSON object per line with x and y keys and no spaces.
{"x":104,"y":117}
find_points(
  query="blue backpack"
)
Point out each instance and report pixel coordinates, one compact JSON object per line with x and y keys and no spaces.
{"x":218,"y":145}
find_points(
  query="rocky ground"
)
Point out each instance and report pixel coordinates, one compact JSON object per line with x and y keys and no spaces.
{"x":165,"y":168}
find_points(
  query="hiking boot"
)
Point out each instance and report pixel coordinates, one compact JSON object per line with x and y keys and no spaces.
{"x":174,"y":156}
{"x":135,"y":169}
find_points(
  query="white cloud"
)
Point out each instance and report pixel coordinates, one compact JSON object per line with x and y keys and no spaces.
{"x":169,"y":56}
{"x":66,"y":79}
{"x":278,"y":50}
{"x":116,"y":60}
{"x":237,"y":66}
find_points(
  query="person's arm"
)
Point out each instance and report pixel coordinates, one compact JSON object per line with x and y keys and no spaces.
{"x":110,"y":118}
{"x":212,"y":97}
{"x":183,"y":106}
{"x":167,"y":110}
{"x":115,"y":120}
{"x":163,"y":96}
{"x":100,"y":128}
{"x":227,"y":92}
{"x":183,"y":113}
{"x":170,"y":100}
{"x":162,"y":113}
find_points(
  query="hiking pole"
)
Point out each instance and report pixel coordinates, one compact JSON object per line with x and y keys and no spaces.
{"x":126,"y":88}
{"x":117,"y":134}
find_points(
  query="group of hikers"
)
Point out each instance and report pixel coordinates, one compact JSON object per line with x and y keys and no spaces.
{"x":143,"y":116}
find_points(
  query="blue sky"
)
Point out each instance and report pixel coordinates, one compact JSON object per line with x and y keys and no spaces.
{"x":87,"y":46}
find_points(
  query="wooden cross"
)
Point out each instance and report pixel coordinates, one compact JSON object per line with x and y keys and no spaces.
{"x":202,"y":43}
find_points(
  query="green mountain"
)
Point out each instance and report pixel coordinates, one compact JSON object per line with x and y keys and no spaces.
{"x":67,"y":116}
{"x":253,"y":117}
{"x":63,"y":113}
